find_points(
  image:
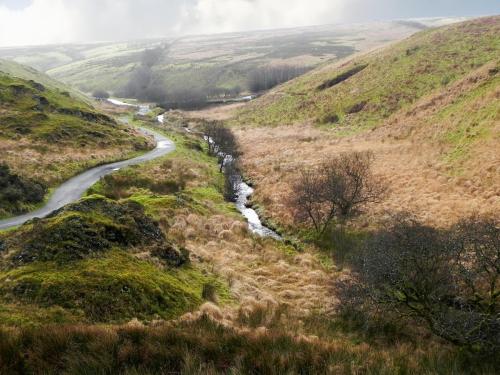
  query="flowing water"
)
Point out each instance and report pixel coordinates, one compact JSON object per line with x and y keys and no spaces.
{"x":243,"y":193}
{"x":254,"y":223}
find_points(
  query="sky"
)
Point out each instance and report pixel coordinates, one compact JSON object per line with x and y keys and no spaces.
{"x":35,"y":22}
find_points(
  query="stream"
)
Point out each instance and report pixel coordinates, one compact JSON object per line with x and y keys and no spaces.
{"x":243,"y":191}
{"x":255,"y":225}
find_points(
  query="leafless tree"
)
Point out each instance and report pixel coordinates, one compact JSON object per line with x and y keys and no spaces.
{"x":310,"y":201}
{"x":351,"y":184}
{"x":221,"y":142}
{"x":100,"y":94}
{"x":232,"y":180}
{"x":211,"y":130}
{"x":144,"y":83}
{"x":447,"y":279}
{"x":339,"y":189}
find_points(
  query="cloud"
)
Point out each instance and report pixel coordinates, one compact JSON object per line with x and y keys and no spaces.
{"x":215,"y":16}
{"x":36,"y":23}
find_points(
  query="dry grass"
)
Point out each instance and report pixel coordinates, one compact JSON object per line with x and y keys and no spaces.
{"x":54,"y":163}
{"x":413,"y":151}
{"x":204,"y":347}
{"x":259,"y":271}
{"x":418,"y":181}
{"x":215,"y":113}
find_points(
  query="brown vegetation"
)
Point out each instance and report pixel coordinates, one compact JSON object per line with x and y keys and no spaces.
{"x":436,"y":178}
{"x":339,"y":189}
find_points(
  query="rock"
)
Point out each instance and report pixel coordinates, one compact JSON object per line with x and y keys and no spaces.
{"x":170,"y":254}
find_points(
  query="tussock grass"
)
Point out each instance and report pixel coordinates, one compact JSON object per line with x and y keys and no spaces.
{"x":203,"y":346}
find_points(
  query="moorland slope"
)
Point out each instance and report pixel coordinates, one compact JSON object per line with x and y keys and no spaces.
{"x":427,"y":107}
{"x":49,"y":134}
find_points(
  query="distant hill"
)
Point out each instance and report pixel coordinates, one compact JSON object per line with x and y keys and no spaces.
{"x":366,"y":90}
{"x":222,"y":61}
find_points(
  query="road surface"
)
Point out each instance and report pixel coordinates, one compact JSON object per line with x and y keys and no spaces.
{"x":73,"y":189}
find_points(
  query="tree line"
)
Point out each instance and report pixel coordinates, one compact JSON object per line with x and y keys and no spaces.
{"x":222,"y":143}
{"x":266,"y":78}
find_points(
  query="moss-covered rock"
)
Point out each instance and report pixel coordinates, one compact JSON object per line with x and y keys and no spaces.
{"x":98,"y":260}
{"x":89,"y":228}
{"x":115,"y":287}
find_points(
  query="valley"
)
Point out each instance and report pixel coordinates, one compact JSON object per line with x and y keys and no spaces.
{"x":344,"y":221}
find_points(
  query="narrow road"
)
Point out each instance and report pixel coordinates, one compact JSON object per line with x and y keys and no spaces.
{"x":75,"y":188}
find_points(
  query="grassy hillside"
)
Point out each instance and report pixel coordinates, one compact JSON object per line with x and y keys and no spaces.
{"x":28,"y":73}
{"x":197,"y":62}
{"x":365,"y":91}
{"x":265,"y":306}
{"x":116,"y":254}
{"x":48,"y":135}
{"x":426,"y":107}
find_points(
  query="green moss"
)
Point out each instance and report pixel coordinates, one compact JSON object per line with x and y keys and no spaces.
{"x":466,"y":131}
{"x":81,"y":230}
{"x":117,"y":287}
{"x":48,"y":121}
{"x":92,"y":277}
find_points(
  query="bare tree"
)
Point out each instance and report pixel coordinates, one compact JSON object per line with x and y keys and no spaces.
{"x":100,"y":94}
{"x":447,"y":279}
{"x":232,"y":180}
{"x":339,"y":189}
{"x":221,"y":142}
{"x":144,"y":83}
{"x":350,"y":184}
{"x":310,"y":202}
{"x":211,"y":130}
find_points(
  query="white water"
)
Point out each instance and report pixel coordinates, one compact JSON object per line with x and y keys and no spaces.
{"x":254,"y":223}
{"x":243,"y":193}
{"x":120,"y":103}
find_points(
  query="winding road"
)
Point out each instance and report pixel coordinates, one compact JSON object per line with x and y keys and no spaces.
{"x":75,"y":188}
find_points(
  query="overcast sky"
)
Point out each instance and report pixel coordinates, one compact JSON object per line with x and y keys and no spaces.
{"x":30,"y":22}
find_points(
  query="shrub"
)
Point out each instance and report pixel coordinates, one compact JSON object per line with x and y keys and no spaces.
{"x":446,"y":279}
{"x":16,"y":191}
{"x":339,"y":189}
{"x":100,"y":94}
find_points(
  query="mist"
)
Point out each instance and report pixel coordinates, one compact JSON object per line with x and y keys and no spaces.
{"x":34,"y":22}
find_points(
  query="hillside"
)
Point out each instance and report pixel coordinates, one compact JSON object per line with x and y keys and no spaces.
{"x":106,"y":284}
{"x":217,"y":62}
{"x":28,"y":73}
{"x":158,"y":268}
{"x":427,"y":107}
{"x":364,"y":91}
{"x":48,"y":135}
